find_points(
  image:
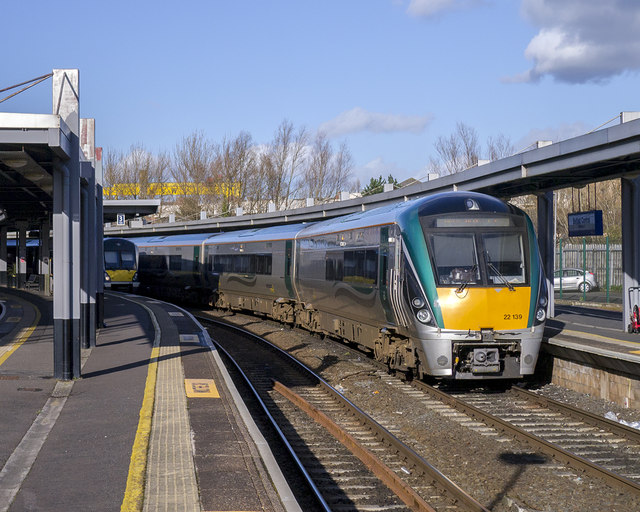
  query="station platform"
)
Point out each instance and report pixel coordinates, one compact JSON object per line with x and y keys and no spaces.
{"x":596,"y":333}
{"x":155,"y":422}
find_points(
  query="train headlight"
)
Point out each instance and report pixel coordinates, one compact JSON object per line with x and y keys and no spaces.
{"x":417,"y":302}
{"x":106,"y":277}
{"x":424,"y":316}
{"x":543,"y":301}
{"x":135,"y":276}
{"x":541,"y":315}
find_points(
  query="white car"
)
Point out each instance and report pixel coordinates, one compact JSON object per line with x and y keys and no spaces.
{"x":574,"y":279}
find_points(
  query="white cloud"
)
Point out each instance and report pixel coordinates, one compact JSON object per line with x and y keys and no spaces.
{"x":426,"y":8}
{"x":431,"y":8}
{"x":359,"y":120}
{"x":582,"y":40}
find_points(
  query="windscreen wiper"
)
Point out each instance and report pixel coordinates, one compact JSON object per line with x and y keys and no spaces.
{"x":502,"y":278}
{"x":463,"y":285}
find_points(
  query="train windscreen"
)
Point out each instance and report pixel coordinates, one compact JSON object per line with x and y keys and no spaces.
{"x":487,"y":253}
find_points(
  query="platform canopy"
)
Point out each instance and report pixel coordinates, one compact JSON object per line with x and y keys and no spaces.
{"x":30,"y":144}
{"x":130,"y":208}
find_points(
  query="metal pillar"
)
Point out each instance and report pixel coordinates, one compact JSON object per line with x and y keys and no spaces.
{"x":99,"y":241}
{"x":21,"y":255}
{"x":3,"y":256}
{"x":94,"y":270}
{"x":84,"y":261}
{"x":89,"y":222}
{"x":62,"y":277}
{"x":66,"y":229}
{"x":45,"y":250}
{"x":546,"y":239}
{"x":630,"y":245}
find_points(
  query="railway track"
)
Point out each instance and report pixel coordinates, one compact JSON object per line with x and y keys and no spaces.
{"x":351,"y":461}
{"x":586,"y":442}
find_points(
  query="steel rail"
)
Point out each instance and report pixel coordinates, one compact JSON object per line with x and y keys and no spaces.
{"x":564,"y":456}
{"x":456,"y":492}
{"x":629,"y":433}
{"x":317,"y":495}
{"x":411,"y":498}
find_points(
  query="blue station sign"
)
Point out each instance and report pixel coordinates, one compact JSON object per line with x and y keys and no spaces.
{"x":585,"y":223}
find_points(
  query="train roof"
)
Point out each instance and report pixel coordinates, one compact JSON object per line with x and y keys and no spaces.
{"x":273,"y":233}
{"x":375,"y":217}
{"x":444,"y":202}
{"x":171,"y":240}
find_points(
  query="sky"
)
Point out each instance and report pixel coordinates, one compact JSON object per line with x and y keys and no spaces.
{"x":386,"y":77}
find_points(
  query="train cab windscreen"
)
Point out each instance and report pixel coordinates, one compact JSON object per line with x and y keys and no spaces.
{"x":478,"y":251}
{"x":119,"y":259}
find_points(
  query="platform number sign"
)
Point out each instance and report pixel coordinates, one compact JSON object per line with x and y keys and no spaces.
{"x":120,"y":219}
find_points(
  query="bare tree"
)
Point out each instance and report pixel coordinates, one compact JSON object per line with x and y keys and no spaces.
{"x":317,"y":171}
{"x":458,"y":151}
{"x":113,"y":175}
{"x":342,"y":175}
{"x":192,"y":170}
{"x":236,"y":164}
{"x":135,"y":174}
{"x":499,"y":147}
{"x":327,"y":173}
{"x":287,"y":153}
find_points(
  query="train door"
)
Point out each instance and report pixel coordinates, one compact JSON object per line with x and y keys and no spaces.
{"x":396,"y":275}
{"x":383,"y":276}
{"x":288,"y":268}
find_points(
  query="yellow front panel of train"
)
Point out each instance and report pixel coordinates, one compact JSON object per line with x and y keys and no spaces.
{"x":121,"y":276}
{"x":485,"y":308}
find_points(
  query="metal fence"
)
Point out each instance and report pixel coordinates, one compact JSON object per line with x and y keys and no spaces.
{"x":600,"y":259}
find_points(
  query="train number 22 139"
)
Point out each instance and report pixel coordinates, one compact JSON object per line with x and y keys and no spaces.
{"x":513,"y":316}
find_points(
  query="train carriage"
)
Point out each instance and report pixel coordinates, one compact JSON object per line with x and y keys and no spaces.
{"x":255,"y":270}
{"x":450,"y":285}
{"x":171,"y":268}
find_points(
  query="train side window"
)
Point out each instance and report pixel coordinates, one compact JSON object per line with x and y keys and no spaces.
{"x":334,"y":266}
{"x":330,"y":270}
{"x":175,"y":262}
{"x":263,"y":264}
{"x":152,"y":262}
{"x":371,"y":266}
{"x":361,"y":266}
{"x":384,"y":263}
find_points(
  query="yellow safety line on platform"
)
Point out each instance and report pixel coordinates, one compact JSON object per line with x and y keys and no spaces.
{"x":596,"y":337}
{"x":24,"y":336}
{"x":134,"y":494}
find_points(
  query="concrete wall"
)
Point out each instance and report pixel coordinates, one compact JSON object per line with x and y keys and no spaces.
{"x":618,"y":387}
